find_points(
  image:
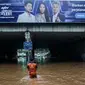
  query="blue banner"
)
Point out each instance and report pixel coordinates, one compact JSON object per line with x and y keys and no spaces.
{"x":28,"y":45}
{"x":42,"y":11}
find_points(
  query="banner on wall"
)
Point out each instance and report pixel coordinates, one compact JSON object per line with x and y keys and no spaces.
{"x":27,"y":45}
{"x":42,"y":11}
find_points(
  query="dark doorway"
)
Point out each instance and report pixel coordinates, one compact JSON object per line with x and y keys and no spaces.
{"x":9,"y":43}
{"x":64,"y":46}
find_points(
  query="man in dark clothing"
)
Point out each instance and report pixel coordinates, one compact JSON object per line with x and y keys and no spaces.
{"x":57,"y":16}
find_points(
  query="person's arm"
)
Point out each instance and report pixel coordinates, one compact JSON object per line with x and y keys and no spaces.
{"x":58,"y":19}
{"x":61,"y":17}
{"x":27,"y":67}
{"x":20,"y":18}
{"x":37,"y":18}
{"x":36,"y":66}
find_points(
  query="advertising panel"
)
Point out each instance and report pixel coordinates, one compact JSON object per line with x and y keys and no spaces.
{"x":42,"y":11}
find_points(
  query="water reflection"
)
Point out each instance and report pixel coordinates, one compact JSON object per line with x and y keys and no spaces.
{"x":48,"y":74}
{"x":33,"y":81}
{"x":23,"y":66}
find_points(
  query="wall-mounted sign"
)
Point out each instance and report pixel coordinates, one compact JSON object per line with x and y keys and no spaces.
{"x":28,"y":45}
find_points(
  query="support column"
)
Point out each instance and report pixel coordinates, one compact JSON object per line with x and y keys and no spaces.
{"x":29,"y":49}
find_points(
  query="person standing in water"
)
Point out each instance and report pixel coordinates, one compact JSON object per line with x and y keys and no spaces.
{"x":32,"y":68}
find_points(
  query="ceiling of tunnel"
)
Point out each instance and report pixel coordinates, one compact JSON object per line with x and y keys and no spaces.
{"x":44,"y":35}
{"x":11,"y":35}
{"x":58,"y":35}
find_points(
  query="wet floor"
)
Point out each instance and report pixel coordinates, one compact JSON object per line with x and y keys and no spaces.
{"x":51,"y":74}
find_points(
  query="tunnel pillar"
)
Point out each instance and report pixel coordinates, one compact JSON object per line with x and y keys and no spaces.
{"x":29,"y":54}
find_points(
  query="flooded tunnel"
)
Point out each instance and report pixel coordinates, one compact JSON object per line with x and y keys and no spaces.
{"x":9,"y":43}
{"x":64,"y":46}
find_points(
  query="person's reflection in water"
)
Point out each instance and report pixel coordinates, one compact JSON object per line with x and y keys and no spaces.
{"x":33,"y":82}
{"x":32,"y":67}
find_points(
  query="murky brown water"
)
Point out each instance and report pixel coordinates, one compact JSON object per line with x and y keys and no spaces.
{"x":50,"y":74}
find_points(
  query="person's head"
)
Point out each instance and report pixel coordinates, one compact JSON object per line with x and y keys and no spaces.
{"x":42,"y":9}
{"x":32,"y":61}
{"x":28,"y":5}
{"x":56,"y":7}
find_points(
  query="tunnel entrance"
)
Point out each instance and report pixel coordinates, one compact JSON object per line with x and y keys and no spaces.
{"x":9,"y":43}
{"x":64,"y":46}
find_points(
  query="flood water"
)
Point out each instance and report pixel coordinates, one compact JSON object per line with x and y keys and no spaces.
{"x":71,"y":73}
